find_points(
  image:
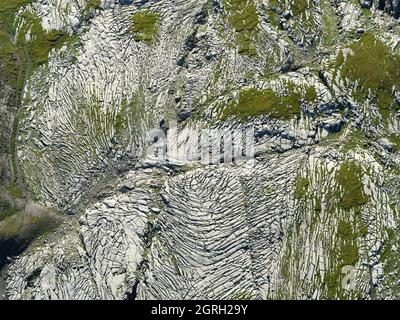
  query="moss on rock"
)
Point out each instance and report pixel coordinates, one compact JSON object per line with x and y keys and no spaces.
{"x":243,"y":17}
{"x":376,"y":68}
{"x":349,"y":178}
{"x":145,"y":25}
{"x":254,"y":102}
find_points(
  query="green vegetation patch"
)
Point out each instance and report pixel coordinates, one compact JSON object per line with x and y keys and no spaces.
{"x":145,"y":25}
{"x":348,"y":234}
{"x":344,"y":228}
{"x":8,"y":60}
{"x":350,"y":254}
{"x":375,"y":67}
{"x":388,"y":256}
{"x":299,"y":6}
{"x":298,"y":9}
{"x":27,"y":226}
{"x":355,"y":139}
{"x":301,"y":186}
{"x":346,"y":141}
{"x":346,"y":254}
{"x":395,"y":138}
{"x":254,"y":102}
{"x":243,"y":17}
{"x":13,"y":55}
{"x":41,"y":42}
{"x":14,"y":191}
{"x":8,"y":10}
{"x":272,"y":12}
{"x":8,"y":51}
{"x":349,"y":178}
{"x":311,"y":94}
{"x":330,"y":21}
{"x":92,"y":5}
{"x":6,"y":209}
{"x":366,"y":12}
{"x":342,"y":233}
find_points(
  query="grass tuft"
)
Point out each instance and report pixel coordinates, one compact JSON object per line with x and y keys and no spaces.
{"x":243,"y":17}
{"x":145,"y":26}
{"x":92,"y":5}
{"x":375,"y":68}
{"x":349,"y":179}
{"x":254,"y":102}
{"x":301,"y":186}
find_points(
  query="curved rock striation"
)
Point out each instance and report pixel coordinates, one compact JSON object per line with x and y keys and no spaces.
{"x":311,"y":214}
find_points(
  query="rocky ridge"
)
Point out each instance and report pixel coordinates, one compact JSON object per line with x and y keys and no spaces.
{"x":321,"y":194}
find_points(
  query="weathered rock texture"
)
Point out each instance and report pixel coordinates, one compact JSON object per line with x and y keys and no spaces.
{"x":313,"y":216}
